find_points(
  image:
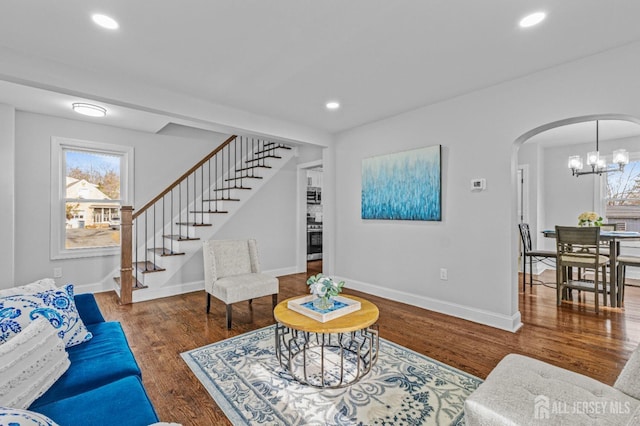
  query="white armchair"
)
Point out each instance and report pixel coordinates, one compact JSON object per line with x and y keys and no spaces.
{"x":232,"y":273}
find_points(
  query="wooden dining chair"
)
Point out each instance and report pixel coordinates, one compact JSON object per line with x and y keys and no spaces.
{"x":528,"y":252}
{"x":579,"y":247}
{"x":623,"y":262}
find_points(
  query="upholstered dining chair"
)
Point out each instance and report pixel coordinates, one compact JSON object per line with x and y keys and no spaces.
{"x":232,"y":274}
{"x":579,"y":247}
{"x":528,"y":252}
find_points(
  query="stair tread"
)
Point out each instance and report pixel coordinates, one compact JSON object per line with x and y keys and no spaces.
{"x":271,"y":149}
{"x":166,"y":252}
{"x":137,"y":285}
{"x":208,"y":211}
{"x":279,"y":145}
{"x":221,"y":199}
{"x":243,"y":177}
{"x":262,"y":158}
{"x":147,"y":267}
{"x":180,"y":238}
{"x":254,"y":167}
{"x":193,"y":224}
{"x":230,"y":188}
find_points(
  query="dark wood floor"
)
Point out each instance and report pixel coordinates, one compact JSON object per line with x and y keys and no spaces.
{"x":571,"y":336}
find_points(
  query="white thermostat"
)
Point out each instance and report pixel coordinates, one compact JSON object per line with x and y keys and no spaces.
{"x":478,"y":184}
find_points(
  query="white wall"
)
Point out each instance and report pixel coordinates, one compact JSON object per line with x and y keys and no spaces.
{"x":7,"y":194}
{"x":159,"y":160}
{"x":477,"y":238}
{"x":269,"y":216}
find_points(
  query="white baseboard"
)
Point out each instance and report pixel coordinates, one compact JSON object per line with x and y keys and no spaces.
{"x":283,"y":271}
{"x":150,"y":293}
{"x":166,"y":291}
{"x":503,"y":322}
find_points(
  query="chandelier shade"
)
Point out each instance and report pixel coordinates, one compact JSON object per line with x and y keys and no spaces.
{"x":597,"y":163}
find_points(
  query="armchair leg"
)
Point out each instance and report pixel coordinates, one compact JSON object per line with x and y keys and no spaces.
{"x":208,"y":302}
{"x":228,"y":317}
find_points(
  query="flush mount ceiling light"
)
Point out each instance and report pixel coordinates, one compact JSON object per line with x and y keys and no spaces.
{"x":89,"y":109}
{"x":532,"y":19}
{"x":105,"y":21}
{"x":333,"y":105}
{"x":598,"y":164}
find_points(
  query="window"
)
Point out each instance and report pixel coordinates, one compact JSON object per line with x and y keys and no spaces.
{"x":622,"y":196}
{"x":89,"y":183}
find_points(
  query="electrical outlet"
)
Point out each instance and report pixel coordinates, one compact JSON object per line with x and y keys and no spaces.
{"x":444,"y":274}
{"x":57,"y":272}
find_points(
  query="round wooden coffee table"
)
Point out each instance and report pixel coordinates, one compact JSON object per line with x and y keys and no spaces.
{"x":333,"y":354}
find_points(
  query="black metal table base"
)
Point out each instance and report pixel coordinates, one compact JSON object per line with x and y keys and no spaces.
{"x":327,"y":360}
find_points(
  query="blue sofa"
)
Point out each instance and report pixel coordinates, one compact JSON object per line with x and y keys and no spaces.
{"x":103,"y":385}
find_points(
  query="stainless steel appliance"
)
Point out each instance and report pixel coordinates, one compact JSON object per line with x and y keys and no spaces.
{"x":314,"y":241}
{"x":314,"y":196}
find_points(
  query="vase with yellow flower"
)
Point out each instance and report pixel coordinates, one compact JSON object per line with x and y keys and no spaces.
{"x":589,"y":219}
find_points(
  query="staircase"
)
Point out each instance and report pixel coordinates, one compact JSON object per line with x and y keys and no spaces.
{"x":161,"y":237}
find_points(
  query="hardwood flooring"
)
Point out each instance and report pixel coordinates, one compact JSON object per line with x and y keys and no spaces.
{"x":571,"y":336}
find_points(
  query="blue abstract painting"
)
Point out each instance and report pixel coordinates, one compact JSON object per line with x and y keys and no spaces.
{"x":402,"y":186}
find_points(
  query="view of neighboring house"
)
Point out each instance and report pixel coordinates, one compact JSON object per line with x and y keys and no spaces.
{"x":92,"y":212}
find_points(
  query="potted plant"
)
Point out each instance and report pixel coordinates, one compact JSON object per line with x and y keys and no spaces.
{"x":325,"y":288}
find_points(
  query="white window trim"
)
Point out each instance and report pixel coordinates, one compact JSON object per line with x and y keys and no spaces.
{"x":600,"y":190}
{"x":600,"y":184}
{"x":58,"y":193}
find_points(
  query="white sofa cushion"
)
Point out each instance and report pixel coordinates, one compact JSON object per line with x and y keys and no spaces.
{"x":629,"y":378}
{"x":30,"y":363}
{"x":523,"y":390}
{"x":58,"y":306}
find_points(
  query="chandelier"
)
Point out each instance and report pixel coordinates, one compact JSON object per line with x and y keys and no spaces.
{"x":597,"y":163}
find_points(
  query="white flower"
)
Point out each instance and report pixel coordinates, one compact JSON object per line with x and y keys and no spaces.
{"x":323,"y":286}
{"x":318,"y":288}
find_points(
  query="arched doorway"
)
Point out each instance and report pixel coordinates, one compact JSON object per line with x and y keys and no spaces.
{"x":548,"y":194}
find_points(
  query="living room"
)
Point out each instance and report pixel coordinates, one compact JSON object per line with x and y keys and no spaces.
{"x":480,"y":130}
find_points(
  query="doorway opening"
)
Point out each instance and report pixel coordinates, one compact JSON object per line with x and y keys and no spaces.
{"x":550,"y":195}
{"x":313,"y":219}
{"x":310,"y":248}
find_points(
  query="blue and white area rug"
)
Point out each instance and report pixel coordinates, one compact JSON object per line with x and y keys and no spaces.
{"x":243,"y":376}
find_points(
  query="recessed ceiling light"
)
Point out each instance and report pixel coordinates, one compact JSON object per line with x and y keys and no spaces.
{"x":105,"y":21}
{"x":89,"y":109}
{"x":333,"y":105}
{"x":532,"y":19}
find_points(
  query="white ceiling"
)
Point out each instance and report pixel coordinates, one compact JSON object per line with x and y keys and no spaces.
{"x":284,"y":59}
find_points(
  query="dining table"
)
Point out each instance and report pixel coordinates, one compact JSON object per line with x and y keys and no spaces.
{"x":614,"y":238}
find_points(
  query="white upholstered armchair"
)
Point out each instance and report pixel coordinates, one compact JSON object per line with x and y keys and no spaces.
{"x":232,"y":273}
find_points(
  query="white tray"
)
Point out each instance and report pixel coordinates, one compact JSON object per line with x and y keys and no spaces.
{"x":297,"y":306}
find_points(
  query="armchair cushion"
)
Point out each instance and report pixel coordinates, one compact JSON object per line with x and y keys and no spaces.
{"x":243,"y":287}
